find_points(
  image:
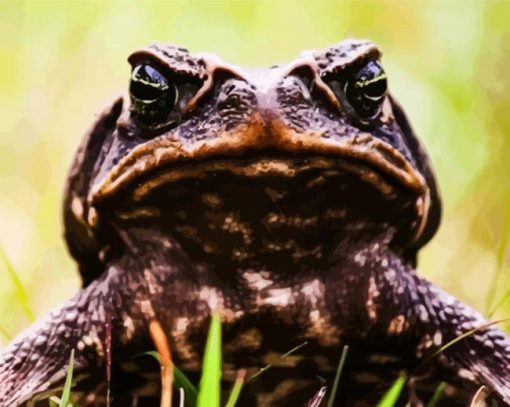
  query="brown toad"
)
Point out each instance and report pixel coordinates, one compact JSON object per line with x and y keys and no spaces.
{"x":292,"y":200}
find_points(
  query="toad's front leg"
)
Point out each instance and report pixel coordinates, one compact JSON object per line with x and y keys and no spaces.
{"x":115,"y":306}
{"x":37,"y":360}
{"x":115,"y":311}
{"x":481,"y":352}
{"x":416,"y":319}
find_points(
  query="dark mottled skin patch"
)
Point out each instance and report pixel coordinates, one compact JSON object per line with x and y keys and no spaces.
{"x":266,"y":198}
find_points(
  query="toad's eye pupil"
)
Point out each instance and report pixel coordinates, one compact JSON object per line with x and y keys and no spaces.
{"x":375,"y":90}
{"x":147,"y":84}
{"x":152,"y":95}
{"x":366,"y":89}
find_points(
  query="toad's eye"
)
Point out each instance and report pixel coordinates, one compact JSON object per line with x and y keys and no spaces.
{"x":366,"y":89}
{"x":152,"y":95}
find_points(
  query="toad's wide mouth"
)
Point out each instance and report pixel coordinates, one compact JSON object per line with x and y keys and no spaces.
{"x":252,"y":152}
{"x":268,"y":165}
{"x":285,"y":157}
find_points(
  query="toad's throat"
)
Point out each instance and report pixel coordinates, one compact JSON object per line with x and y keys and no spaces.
{"x":272,"y":210}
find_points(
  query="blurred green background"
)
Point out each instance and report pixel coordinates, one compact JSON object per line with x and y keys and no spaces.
{"x":447,"y":62}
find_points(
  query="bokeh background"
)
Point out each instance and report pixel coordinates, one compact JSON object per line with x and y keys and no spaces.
{"x":447,"y":62}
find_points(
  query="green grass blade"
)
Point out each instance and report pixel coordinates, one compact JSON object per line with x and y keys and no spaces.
{"x":500,"y":262}
{"x":294,"y":349}
{"x":334,"y":389}
{"x":437,"y":395}
{"x":64,"y":400}
{"x":393,"y":393}
{"x":21,"y":293}
{"x":236,"y":389}
{"x":503,"y":300}
{"x":210,"y":382}
{"x":465,"y":335}
{"x":180,"y":381}
{"x":152,"y":353}
{"x":269,"y":366}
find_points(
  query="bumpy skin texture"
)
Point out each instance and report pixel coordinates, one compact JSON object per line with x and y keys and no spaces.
{"x":267,"y":198}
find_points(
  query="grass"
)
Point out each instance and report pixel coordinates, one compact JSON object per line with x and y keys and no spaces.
{"x":21,"y":293}
{"x":181,"y":381}
{"x":341,"y":363}
{"x":236,"y":389}
{"x":269,"y":366}
{"x":209,"y":393}
{"x":160,"y":341}
{"x":393,"y":393}
{"x":437,"y":395}
{"x":500,"y":266}
{"x":210,"y":383}
{"x":463,"y":336}
{"x":66,"y":392}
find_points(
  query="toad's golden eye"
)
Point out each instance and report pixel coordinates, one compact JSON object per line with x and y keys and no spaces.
{"x":366,"y":89}
{"x":152,"y":95}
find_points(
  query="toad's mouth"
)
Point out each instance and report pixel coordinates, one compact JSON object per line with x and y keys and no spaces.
{"x":286,"y":156}
{"x":265,"y":167}
{"x":270,"y":179}
{"x":258,"y":153}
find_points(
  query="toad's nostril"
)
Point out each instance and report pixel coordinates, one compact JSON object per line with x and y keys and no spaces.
{"x":237,"y":92}
{"x":293,"y":89}
{"x":228,"y":102}
{"x":293,"y":96}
